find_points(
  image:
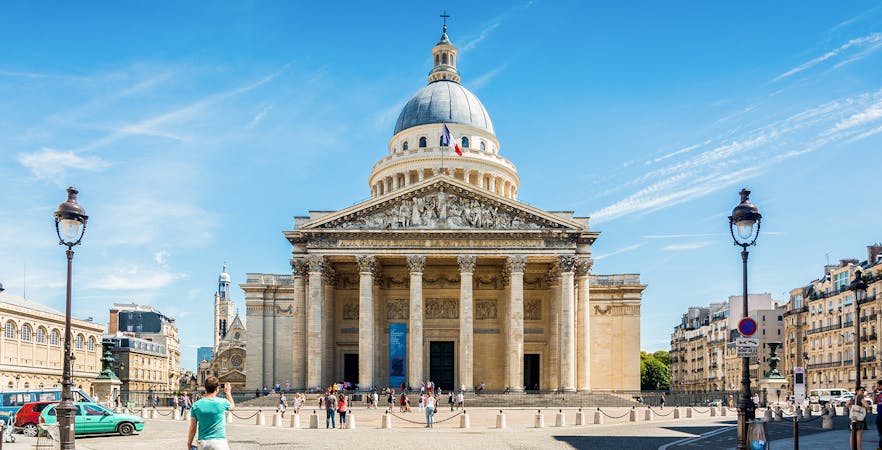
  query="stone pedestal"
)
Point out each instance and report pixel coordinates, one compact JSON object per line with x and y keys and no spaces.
{"x":295,"y":420}
{"x":500,"y":420}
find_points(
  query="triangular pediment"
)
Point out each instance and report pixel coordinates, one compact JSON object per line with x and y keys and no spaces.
{"x":441,"y":203}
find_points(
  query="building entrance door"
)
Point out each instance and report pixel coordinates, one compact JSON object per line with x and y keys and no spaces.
{"x":531,"y":371}
{"x":441,"y":359}
{"x":350,"y":367}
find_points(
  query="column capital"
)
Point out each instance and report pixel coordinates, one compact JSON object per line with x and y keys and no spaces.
{"x":299,"y":266}
{"x":329,"y":275}
{"x":583,"y":266}
{"x":466,"y":263}
{"x":315,"y":262}
{"x":516,"y":263}
{"x":366,"y":263}
{"x":553,"y":274}
{"x":567,"y":263}
{"x":416,"y":263}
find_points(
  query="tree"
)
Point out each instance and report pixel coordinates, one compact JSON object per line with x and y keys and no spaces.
{"x":654,"y":372}
{"x":662,"y":356}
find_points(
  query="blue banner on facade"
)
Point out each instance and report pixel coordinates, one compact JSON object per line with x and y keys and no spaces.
{"x":397,"y":354}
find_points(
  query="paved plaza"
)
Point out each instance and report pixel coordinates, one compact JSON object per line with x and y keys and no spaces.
{"x":700,"y":432}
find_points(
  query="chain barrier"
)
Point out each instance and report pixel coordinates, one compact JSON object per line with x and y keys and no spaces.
{"x":700,"y":412}
{"x":245,"y":418}
{"x":423,"y":423}
{"x":170,"y":412}
{"x":611,"y":417}
{"x":660,"y":414}
{"x":732,"y":409}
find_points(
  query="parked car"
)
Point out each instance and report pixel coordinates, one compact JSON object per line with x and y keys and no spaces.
{"x":12,"y":400}
{"x":95,"y":418}
{"x":822,"y":396}
{"x":27,"y":418}
{"x":841,"y":400}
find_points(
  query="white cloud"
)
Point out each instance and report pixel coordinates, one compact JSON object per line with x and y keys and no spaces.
{"x":484,"y":79}
{"x":619,"y":251}
{"x":161,"y":257}
{"x":135,"y":278}
{"x":49,"y":163}
{"x":872,"y":39}
{"x":685,"y":246}
{"x":260,"y":115}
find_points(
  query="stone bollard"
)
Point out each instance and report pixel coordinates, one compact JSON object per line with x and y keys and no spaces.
{"x":350,"y":420}
{"x":807,"y":413}
{"x":387,"y":421}
{"x":722,"y":411}
{"x":676,"y":412}
{"x":144,"y":413}
{"x":126,"y":410}
{"x":313,"y":421}
{"x":598,"y":417}
{"x":798,"y":412}
{"x":176,"y":415}
{"x":580,"y":418}
{"x":713,"y":411}
{"x":500,"y":420}
{"x":295,"y":420}
{"x":632,"y":416}
{"x":688,"y":412}
{"x":827,"y":422}
{"x":779,"y":414}
{"x":767,"y":416}
{"x":539,"y":421}
{"x":260,"y":419}
{"x":816,"y":407}
{"x":229,"y":417}
{"x":277,"y":419}
{"x":559,"y":419}
{"x":154,"y":414}
{"x":187,"y":415}
{"x":647,"y":416}
{"x":464,"y":421}
{"x":833,"y":411}
{"x":117,"y":410}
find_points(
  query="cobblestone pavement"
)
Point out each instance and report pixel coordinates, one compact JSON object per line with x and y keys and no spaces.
{"x":617,"y":431}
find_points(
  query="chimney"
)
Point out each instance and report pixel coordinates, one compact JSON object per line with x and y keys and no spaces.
{"x":873,"y":253}
{"x":113,"y":325}
{"x":846,"y":262}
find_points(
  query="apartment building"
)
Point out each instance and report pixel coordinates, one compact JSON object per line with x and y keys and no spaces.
{"x":147,"y":323}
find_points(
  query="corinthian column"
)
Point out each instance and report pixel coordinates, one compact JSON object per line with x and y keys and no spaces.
{"x":583,"y":326}
{"x":328,"y":336}
{"x":553,"y":364}
{"x":466,"y":316}
{"x":298,"y":334}
{"x":515,"y":379}
{"x":314,"y":322}
{"x":416,"y":264}
{"x":568,"y":324}
{"x":366,"y":266}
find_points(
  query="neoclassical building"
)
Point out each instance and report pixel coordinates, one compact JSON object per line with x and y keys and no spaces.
{"x":228,"y":353}
{"x":443,"y":274}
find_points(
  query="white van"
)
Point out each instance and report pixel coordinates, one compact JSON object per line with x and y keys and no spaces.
{"x":824,"y":396}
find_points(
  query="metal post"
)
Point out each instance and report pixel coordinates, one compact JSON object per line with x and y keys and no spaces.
{"x":795,"y":430}
{"x":66,"y":410}
{"x":857,"y":360}
{"x":745,"y":404}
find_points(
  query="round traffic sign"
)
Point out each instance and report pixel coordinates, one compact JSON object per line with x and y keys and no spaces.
{"x":747,"y":326}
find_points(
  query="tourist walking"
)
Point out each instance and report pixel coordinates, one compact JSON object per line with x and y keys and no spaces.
{"x":857,"y":416}
{"x":460,"y":400}
{"x":376,"y":399}
{"x":661,"y":400}
{"x":450,"y":400}
{"x":390,"y":399}
{"x":342,"y":408}
{"x":877,"y":399}
{"x":430,"y":411}
{"x":283,"y":404}
{"x":422,"y":402}
{"x":208,"y":415}
{"x":330,"y":408}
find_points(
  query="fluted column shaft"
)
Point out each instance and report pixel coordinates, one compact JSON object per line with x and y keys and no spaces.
{"x":583,"y":326}
{"x":315,"y":342}
{"x":568,"y":324}
{"x":366,"y":340}
{"x":299,"y":333}
{"x":466,"y":320}
{"x":269,"y":332}
{"x":515,"y":365}
{"x":416,"y":264}
{"x":328,"y":346}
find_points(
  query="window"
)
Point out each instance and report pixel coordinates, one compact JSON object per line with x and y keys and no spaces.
{"x":93,"y":410}
{"x":404,"y":145}
{"x":483,"y":147}
{"x":26,"y":333}
{"x":78,"y":342}
{"x":465,"y":142}
{"x":41,"y":335}
{"x":9,"y":330}
{"x":444,"y":58}
{"x":441,"y":141}
{"x":841,"y":280}
{"x":91,"y":345}
{"x":54,"y":337}
{"x":422,"y":142}
{"x":436,"y":60}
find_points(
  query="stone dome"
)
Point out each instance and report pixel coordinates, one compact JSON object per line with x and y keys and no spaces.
{"x":444,"y":101}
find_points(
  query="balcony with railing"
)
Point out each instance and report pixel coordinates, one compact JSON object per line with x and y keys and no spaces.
{"x":870,"y":358}
{"x":828,"y":328}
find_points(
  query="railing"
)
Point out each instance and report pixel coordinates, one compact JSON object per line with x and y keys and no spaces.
{"x":869,"y":317}
{"x":865,"y":338}
{"x":826,"y":365}
{"x":870,"y":358}
{"x":827,"y":328}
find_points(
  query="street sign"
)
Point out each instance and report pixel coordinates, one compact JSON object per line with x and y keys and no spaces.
{"x":747,"y":326}
{"x":746,"y":342}
{"x":748,"y":352}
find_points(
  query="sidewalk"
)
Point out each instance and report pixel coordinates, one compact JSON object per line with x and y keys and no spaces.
{"x":835,"y":439}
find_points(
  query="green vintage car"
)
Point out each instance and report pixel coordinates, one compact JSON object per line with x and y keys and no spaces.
{"x":95,"y":418}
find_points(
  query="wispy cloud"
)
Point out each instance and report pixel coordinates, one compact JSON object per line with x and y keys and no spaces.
{"x":855,"y":19}
{"x":619,"y":251}
{"x":485,"y":78}
{"x":259,"y":116}
{"x":685,"y":246}
{"x":161,"y":257}
{"x":50,"y":163}
{"x":492,"y":26}
{"x":679,"y":236}
{"x":135,"y":278}
{"x":873,"y":40}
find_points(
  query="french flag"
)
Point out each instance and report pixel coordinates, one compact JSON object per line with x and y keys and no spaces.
{"x":445,"y":140}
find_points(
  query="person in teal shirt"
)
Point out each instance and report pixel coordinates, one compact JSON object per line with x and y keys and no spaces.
{"x":209,"y":415}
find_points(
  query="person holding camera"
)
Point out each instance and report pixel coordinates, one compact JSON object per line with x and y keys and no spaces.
{"x":208,"y":414}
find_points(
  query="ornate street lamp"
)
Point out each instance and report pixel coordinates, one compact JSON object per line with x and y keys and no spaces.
{"x":70,"y":225}
{"x":860,"y":292}
{"x":744,"y":225}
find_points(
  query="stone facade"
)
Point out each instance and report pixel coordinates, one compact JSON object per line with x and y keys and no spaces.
{"x":486,"y":289}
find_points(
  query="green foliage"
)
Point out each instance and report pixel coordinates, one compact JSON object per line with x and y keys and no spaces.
{"x":654,"y":372}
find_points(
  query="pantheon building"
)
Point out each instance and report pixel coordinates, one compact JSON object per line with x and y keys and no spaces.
{"x":443,"y":274}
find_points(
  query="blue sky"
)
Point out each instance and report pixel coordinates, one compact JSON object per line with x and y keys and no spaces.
{"x":196,"y":131}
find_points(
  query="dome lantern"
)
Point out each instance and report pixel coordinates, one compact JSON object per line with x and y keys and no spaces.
{"x":444,"y":57}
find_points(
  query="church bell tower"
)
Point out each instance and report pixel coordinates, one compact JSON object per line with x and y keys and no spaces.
{"x":223,"y":307}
